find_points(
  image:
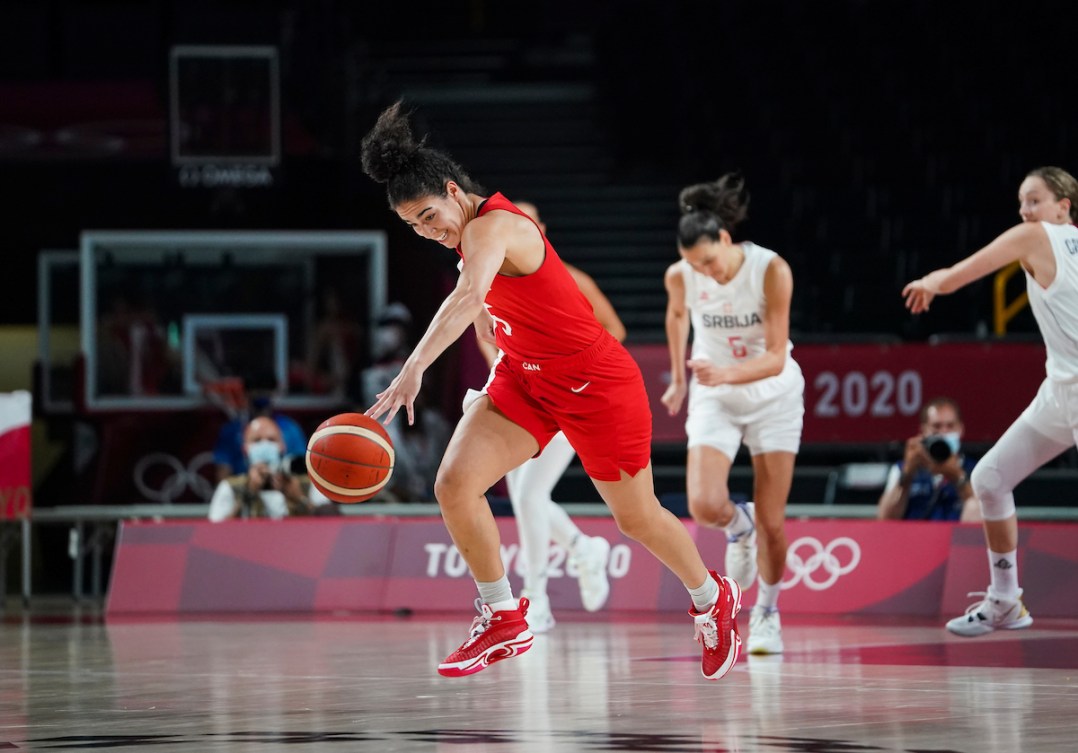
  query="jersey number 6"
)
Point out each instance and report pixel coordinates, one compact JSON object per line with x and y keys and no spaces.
{"x":737,"y":347}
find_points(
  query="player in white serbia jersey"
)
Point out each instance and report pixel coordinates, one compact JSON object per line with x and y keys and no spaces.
{"x":1046,"y":245}
{"x":745,"y":387}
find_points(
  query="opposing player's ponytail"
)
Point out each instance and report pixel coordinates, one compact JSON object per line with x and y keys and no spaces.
{"x":707,"y":208}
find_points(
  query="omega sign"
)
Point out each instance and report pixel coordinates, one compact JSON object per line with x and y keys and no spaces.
{"x":216,"y":176}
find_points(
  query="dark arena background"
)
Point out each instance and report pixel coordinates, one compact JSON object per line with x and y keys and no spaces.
{"x":186,"y":225}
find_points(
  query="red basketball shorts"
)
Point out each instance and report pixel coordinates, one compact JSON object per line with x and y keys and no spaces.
{"x":596,"y":397}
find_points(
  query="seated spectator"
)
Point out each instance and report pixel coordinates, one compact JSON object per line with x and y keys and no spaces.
{"x":268,"y":489}
{"x":931,"y":482}
{"x":229,"y":455}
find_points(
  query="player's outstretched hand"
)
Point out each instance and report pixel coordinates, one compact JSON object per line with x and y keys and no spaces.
{"x":402,"y":391}
{"x":919,"y":293}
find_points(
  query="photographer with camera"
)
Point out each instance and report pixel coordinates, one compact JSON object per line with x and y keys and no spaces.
{"x":269,"y":488}
{"x":932,"y":480}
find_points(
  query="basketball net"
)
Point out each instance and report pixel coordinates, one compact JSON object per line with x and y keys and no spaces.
{"x":227,"y":393}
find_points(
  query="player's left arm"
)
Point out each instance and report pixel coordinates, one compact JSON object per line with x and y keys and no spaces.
{"x":778,"y":293}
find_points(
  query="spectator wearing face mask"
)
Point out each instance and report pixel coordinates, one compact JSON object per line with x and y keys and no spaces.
{"x":268,"y":489}
{"x":229,"y":454}
{"x":391,"y":345}
{"x":932,"y":480}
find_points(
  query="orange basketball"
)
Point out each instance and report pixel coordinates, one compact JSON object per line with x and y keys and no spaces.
{"x":350,"y":457}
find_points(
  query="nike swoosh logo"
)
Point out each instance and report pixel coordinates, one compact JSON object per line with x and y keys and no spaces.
{"x":580,"y":388}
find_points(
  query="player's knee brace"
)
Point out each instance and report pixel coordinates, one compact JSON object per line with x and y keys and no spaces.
{"x":997,"y":501}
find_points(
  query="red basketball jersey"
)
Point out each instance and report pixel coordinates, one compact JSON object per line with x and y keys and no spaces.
{"x":542,"y":315}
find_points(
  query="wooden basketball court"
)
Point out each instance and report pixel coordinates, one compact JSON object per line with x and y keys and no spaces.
{"x":69,"y":680}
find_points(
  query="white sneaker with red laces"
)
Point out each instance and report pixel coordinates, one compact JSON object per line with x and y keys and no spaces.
{"x":716,"y":629}
{"x":494,"y":636}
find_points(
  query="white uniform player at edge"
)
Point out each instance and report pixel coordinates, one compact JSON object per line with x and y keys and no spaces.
{"x":1046,"y":245}
{"x":539,"y":518}
{"x":745,"y":387}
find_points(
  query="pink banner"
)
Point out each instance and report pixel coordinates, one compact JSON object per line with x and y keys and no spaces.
{"x":15,"y":488}
{"x":350,"y":564}
{"x":874,"y":393}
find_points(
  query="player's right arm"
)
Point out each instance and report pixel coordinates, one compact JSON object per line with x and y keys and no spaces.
{"x":677,"y":338}
{"x":1027,"y":242}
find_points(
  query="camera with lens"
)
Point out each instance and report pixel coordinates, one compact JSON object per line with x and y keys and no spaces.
{"x":940,"y":447}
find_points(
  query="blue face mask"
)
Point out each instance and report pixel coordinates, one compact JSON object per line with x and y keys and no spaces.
{"x":953,"y":440}
{"x":264,"y":451}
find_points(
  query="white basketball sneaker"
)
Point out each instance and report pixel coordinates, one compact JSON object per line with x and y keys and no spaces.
{"x":991,"y":613}
{"x":540,"y":618}
{"x":589,"y":558}
{"x":741,"y":550}
{"x":765,"y":631}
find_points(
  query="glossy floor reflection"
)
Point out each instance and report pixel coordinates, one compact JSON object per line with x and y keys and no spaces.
{"x":613,"y":683}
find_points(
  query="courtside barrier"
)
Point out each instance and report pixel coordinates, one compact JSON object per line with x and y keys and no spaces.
{"x":389,"y":564}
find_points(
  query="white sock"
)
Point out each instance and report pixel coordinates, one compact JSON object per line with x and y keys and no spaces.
{"x":705,"y":595}
{"x":767,"y":594}
{"x":1004,"y":569}
{"x":739,"y":524}
{"x":497,"y":595}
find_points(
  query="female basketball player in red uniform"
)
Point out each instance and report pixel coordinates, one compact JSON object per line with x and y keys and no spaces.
{"x":560,"y":371}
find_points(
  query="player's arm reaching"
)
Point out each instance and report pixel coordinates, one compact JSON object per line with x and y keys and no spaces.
{"x":1027,"y":243}
{"x":485,"y":239}
{"x":778,"y":292}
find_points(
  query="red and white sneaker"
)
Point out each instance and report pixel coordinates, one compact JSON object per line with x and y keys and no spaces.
{"x":716,"y":629}
{"x":494,"y":636}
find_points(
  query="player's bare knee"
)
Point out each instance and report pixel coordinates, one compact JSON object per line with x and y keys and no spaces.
{"x":634,"y":525}
{"x":453,"y":485}
{"x":712,"y":509}
{"x":771,"y":533}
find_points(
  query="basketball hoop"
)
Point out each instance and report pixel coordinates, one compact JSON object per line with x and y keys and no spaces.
{"x":227,"y":393}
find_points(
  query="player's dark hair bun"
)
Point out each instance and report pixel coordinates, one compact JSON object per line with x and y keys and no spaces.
{"x":390,"y":148}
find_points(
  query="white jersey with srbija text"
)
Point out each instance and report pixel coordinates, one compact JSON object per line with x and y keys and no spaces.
{"x":1056,"y":307}
{"x":728,"y":326}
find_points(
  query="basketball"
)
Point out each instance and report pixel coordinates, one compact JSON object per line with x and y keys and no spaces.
{"x":350,"y":457}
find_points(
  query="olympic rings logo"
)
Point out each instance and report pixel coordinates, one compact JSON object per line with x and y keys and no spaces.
{"x":821,"y":558}
{"x":163,"y":478}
